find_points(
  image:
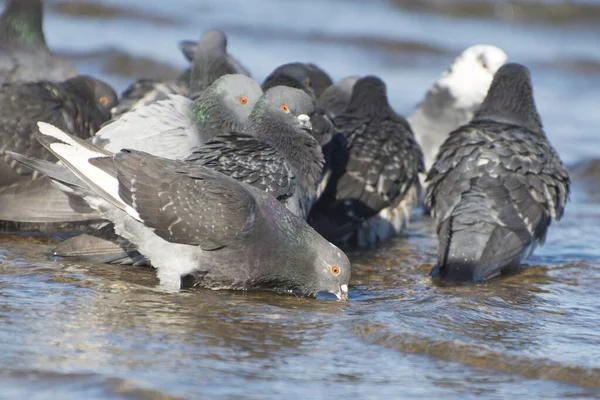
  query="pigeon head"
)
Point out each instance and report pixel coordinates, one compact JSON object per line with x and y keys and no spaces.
{"x":226,"y":105}
{"x":281,"y":107}
{"x":94,"y":93}
{"x":210,"y":61}
{"x":296,"y":75}
{"x":510,"y":99}
{"x":21,"y":23}
{"x":335,"y":98}
{"x":469,"y":77}
{"x":213,"y":39}
{"x":369,"y":97}
{"x":319,"y":79}
{"x":332,"y":269}
{"x":307,"y":263}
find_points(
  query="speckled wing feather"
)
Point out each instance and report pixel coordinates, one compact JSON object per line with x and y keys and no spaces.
{"x":383,"y":164}
{"x":185,"y":203}
{"x":21,"y":106}
{"x":249,"y":160}
{"x":501,"y":174}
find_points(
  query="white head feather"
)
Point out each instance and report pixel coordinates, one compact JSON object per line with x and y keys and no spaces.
{"x":471,"y":74}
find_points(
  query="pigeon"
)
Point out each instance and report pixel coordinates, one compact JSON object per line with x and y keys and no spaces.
{"x":147,"y":91}
{"x":454,"y":98}
{"x":335,"y":98}
{"x":24,"y":55}
{"x":298,"y":75}
{"x":78,"y":105}
{"x":200,"y":226}
{"x":373,"y":188}
{"x":277,"y":153}
{"x":211,"y":61}
{"x":172,"y":128}
{"x":319,"y":79}
{"x":496,"y":184}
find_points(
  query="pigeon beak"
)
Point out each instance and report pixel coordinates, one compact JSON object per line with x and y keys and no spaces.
{"x":342,"y":294}
{"x":304,"y":121}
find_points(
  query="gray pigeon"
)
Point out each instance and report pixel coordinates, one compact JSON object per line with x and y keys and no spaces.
{"x":454,"y":98}
{"x":496,"y":184}
{"x":336,"y":97}
{"x":211,"y":61}
{"x":276,"y":153}
{"x":172,"y":128}
{"x":197,"y":224}
{"x":298,"y":75}
{"x":78,"y":105}
{"x":319,"y":79}
{"x":372,"y":191}
{"x":24,"y":55}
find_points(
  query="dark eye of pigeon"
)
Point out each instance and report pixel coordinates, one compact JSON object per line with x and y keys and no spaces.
{"x":243,"y":100}
{"x":307,"y":82}
{"x":103,"y":100}
{"x":285,"y":108}
{"x":483,"y":63}
{"x":335,"y":270}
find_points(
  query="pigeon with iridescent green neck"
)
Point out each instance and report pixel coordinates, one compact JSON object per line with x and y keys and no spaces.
{"x":276,"y":153}
{"x":172,"y":128}
{"x":197,"y":225}
{"x":24,"y":55}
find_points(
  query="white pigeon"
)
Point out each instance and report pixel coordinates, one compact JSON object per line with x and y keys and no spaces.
{"x":454,"y":98}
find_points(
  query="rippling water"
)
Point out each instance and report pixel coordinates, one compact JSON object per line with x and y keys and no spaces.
{"x":72,"y":330}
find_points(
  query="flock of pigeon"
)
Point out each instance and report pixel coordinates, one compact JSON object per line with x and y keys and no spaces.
{"x":217,"y":181}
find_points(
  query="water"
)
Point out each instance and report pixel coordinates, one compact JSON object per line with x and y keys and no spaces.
{"x":74,"y":330}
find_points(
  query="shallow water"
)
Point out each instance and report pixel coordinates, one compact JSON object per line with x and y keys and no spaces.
{"x":74,"y":330}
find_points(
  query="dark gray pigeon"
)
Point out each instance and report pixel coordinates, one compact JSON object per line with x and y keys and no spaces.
{"x":336,"y":97}
{"x":496,"y":184}
{"x":195,"y":223}
{"x":298,"y":75}
{"x":319,"y":79}
{"x":211,"y":61}
{"x":373,"y":189}
{"x":172,"y":128}
{"x":78,"y":105}
{"x":276,"y":153}
{"x":24,"y":55}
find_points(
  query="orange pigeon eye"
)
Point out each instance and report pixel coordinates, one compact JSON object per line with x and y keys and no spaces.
{"x":103,"y":100}
{"x":243,"y":100}
{"x":285,"y":108}
{"x":335,"y":270}
{"x":307,"y":82}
